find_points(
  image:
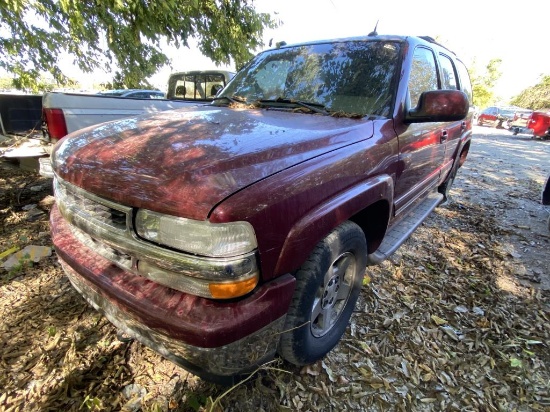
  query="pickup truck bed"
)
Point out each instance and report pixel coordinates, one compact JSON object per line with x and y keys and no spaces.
{"x":67,"y":112}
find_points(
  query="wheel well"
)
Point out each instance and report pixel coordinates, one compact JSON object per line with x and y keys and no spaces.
{"x":463,"y":154}
{"x":373,"y":220}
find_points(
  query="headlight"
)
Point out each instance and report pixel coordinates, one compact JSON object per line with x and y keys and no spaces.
{"x":197,"y":237}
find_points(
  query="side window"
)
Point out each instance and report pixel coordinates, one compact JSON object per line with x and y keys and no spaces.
{"x":423,"y":74}
{"x":465,"y":84}
{"x":448,"y":74}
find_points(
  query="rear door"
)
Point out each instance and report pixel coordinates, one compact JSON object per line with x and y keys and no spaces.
{"x":452,"y":132}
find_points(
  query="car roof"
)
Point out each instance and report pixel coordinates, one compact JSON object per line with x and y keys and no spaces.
{"x":373,"y":37}
{"x":126,"y":91}
{"x":213,"y":71}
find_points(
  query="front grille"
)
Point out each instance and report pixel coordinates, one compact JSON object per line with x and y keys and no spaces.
{"x":93,"y":208}
{"x":96,"y":222}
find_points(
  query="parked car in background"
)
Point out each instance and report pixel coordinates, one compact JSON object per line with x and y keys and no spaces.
{"x":134,"y":93}
{"x":495,"y":116}
{"x":539,"y":123}
{"x":520,"y":121}
{"x":64,"y":113}
{"x":200,"y":85}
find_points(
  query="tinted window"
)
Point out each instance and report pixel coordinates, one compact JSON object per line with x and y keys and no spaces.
{"x":138,"y":95}
{"x":465,"y":84}
{"x":423,"y":76}
{"x":195,"y":86}
{"x":353,"y":77}
{"x":448,"y":74}
{"x":112,"y":92}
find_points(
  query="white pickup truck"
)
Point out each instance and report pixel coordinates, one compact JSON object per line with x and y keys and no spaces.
{"x":64,"y":113}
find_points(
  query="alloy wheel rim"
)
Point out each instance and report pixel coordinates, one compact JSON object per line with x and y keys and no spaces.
{"x":332,"y":296}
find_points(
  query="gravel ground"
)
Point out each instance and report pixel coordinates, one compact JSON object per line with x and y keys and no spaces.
{"x":457,"y":320}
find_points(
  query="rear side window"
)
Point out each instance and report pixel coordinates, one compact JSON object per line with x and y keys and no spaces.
{"x":423,"y":76}
{"x":195,"y":86}
{"x":465,"y":84}
{"x":448,"y":73}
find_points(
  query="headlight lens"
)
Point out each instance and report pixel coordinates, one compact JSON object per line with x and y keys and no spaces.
{"x":197,"y":237}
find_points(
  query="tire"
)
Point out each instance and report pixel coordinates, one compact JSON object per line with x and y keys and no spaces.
{"x":324,"y":298}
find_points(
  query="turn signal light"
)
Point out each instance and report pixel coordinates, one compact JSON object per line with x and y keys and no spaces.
{"x":230,"y":290}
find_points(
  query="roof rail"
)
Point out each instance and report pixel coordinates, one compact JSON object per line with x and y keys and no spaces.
{"x":432,"y":40}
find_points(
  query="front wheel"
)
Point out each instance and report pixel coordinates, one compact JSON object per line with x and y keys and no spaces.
{"x":327,"y":288}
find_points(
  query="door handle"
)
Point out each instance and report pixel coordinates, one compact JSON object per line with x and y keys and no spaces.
{"x":463,"y":126}
{"x":444,"y":136}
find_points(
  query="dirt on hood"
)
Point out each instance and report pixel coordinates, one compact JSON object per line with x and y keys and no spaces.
{"x":458,"y":319}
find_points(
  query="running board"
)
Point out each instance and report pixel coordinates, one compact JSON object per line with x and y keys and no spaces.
{"x":404,"y":228}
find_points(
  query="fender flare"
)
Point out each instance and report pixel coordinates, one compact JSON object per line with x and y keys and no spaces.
{"x":320,"y":220}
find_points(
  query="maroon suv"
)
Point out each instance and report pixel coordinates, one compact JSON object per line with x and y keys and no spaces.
{"x":223,"y":234}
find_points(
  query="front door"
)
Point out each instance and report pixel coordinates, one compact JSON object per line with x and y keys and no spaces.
{"x":421,"y":145}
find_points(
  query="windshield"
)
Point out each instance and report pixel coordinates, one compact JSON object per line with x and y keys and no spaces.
{"x":351,"y":77}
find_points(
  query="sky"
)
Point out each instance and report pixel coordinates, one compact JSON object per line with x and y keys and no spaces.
{"x":477,"y":31}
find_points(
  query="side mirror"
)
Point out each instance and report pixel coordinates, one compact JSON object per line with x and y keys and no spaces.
{"x":439,"y":106}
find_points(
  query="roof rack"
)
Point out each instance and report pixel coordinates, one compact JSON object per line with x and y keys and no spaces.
{"x":432,"y":40}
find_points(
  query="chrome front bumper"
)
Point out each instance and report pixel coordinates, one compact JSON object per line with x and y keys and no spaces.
{"x":45,"y":169}
{"x":220,"y":364}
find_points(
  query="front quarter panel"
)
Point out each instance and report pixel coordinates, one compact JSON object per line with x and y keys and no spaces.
{"x":324,"y":192}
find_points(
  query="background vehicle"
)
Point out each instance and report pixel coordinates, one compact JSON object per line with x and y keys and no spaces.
{"x":134,"y":93}
{"x":494,"y":116}
{"x":202,"y":85}
{"x":539,"y":123}
{"x":520,"y":121}
{"x":64,"y":113}
{"x":223,"y":234}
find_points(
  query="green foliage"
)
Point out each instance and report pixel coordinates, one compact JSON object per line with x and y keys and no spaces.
{"x":92,"y":404}
{"x":6,"y":83}
{"x":536,"y":97}
{"x":196,"y":401}
{"x":483,"y":83}
{"x":122,"y":37}
{"x":24,"y":262}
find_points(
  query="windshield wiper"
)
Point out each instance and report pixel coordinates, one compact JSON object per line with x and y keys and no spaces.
{"x":313,"y":106}
{"x":232,"y":99}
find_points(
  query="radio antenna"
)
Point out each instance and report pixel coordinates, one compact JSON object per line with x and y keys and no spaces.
{"x":374,"y":32}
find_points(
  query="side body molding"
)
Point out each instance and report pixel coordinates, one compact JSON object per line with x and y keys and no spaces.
{"x":314,"y":226}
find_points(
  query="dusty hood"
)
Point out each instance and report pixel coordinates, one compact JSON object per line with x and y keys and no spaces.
{"x":184,"y":162}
